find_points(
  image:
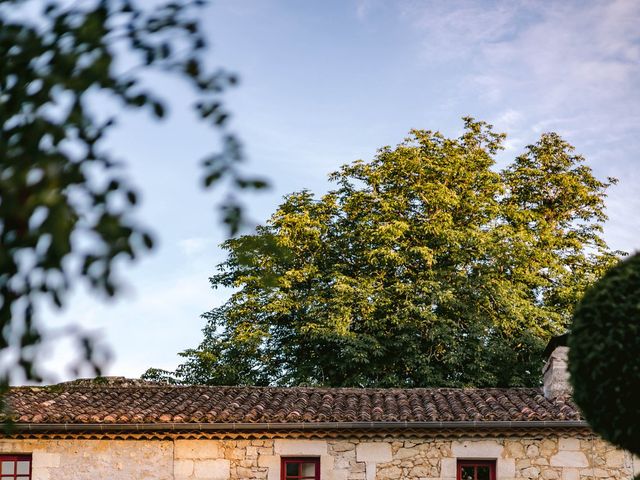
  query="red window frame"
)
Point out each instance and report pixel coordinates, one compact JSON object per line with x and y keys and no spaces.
{"x":476,"y":463}
{"x":299,"y":460}
{"x":15,"y":459}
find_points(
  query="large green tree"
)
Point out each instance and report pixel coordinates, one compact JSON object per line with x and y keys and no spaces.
{"x":66,"y":207}
{"x":424,"y":266}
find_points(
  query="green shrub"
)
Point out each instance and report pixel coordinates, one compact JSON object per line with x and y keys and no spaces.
{"x":604,"y":355}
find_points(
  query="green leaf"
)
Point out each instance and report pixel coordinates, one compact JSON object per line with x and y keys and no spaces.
{"x":158,"y":109}
{"x":148,"y":241}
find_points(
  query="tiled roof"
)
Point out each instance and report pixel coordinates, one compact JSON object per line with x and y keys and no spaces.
{"x":139,"y":403}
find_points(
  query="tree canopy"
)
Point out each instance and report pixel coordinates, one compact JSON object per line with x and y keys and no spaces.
{"x":66,"y":207}
{"x":422,"y":267}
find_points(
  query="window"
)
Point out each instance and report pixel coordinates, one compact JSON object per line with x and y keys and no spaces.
{"x":15,"y":467}
{"x":476,"y":470}
{"x":300,"y":467}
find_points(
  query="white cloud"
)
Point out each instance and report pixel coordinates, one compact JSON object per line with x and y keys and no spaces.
{"x":195,"y":246}
{"x":577,"y":55}
{"x":571,"y":67}
{"x":508,"y":119}
{"x":364,"y":7}
{"x":456,"y":27}
{"x":571,"y":55}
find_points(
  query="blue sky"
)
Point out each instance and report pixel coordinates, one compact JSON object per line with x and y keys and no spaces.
{"x":325,"y":83}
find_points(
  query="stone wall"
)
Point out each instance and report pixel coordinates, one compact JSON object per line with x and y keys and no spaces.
{"x":96,"y":459}
{"x":548,"y":458}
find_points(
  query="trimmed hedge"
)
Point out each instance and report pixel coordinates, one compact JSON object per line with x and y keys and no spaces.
{"x":604,"y":355}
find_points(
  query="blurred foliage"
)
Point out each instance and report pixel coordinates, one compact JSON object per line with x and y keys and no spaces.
{"x":423,"y":267}
{"x":604,"y":355}
{"x":65,"y":208}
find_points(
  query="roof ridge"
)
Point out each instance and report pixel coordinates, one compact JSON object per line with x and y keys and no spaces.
{"x":123,"y":382}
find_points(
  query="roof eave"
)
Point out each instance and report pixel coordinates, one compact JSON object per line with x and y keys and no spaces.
{"x":168,"y":427}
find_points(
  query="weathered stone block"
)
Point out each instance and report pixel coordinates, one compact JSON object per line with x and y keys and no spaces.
{"x":340,"y":474}
{"x":477,"y":449}
{"x":548,"y":447}
{"x":244,"y":472}
{"x":420,"y":471}
{"x":531,"y":472}
{"x":514,"y":449}
{"x":251,"y":452}
{"x":356,"y":476}
{"x":212,"y":469}
{"x":448,"y":467}
{"x":614,"y":458}
{"x":342,"y":446}
{"x":570,"y":474}
{"x":533,"y":451}
{"x":235,"y":453}
{"x":569,"y":459}
{"x":287,"y":446}
{"x":341,"y":463}
{"x":11,"y":446}
{"x":376,"y":452}
{"x":506,"y":468}
{"x":40,"y":474}
{"x":404,"y":453}
{"x":183,"y":468}
{"x":569,"y":444}
{"x":268,"y":460}
{"x":391,"y":472}
{"x":42,"y":459}
{"x":196,"y":449}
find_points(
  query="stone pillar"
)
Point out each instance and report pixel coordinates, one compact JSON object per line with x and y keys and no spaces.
{"x":556,"y":374}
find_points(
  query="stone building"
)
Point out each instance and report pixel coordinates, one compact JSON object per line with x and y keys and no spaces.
{"x":120,"y":429}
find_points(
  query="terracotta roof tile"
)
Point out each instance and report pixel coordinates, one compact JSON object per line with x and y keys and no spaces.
{"x":126,"y":402}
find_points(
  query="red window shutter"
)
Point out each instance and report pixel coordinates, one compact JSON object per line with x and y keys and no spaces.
{"x":15,"y":467}
{"x":300,"y":468}
{"x":476,"y":470}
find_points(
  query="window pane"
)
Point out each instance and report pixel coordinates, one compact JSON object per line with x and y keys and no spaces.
{"x":23,"y":468}
{"x":7,"y":467}
{"x":484,"y":472}
{"x":308,"y":469}
{"x":293,"y":469}
{"x":467,"y":473}
{"x":23,"y":478}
